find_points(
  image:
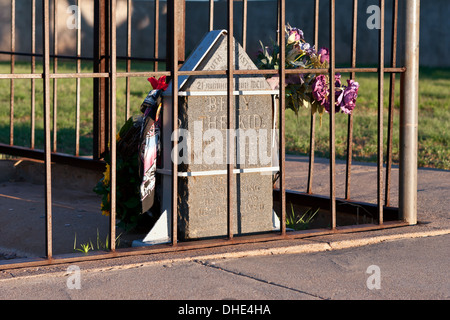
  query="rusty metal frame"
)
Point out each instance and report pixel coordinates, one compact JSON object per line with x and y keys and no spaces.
{"x":105,"y":85}
{"x":230,"y":119}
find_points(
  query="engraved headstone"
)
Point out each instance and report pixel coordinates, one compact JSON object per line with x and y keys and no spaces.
{"x":202,"y":182}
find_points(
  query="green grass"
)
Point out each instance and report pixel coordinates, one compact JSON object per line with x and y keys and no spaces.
{"x":434,"y":122}
{"x":434,"y":115}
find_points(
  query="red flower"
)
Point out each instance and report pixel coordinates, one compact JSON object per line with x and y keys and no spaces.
{"x":158,"y":84}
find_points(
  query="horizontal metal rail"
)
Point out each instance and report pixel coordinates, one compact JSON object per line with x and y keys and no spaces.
{"x":193,"y":245}
{"x":71,"y":57}
{"x":190,"y":73}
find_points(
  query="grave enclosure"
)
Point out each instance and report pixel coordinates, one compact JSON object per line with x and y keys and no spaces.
{"x":214,"y":189}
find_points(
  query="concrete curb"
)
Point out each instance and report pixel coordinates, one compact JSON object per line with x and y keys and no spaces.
{"x":291,"y":249}
{"x":322,"y":246}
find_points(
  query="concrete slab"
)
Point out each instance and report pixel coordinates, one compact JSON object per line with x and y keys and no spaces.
{"x":75,"y":210}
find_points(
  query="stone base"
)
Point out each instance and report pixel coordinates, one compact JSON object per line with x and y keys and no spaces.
{"x":159,"y":234}
{"x":202,"y":205}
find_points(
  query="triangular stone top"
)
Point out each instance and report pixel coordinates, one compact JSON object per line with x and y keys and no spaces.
{"x":211,"y":54}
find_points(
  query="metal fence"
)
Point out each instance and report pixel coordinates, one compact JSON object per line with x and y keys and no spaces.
{"x":105,"y":77}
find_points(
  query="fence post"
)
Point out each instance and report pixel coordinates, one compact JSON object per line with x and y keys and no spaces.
{"x":409,"y":115}
{"x":47,"y":143}
{"x":101,"y":85}
{"x":180,"y":7}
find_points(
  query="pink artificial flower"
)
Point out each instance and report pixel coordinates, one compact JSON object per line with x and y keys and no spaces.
{"x":320,"y":89}
{"x":349,"y":97}
{"x":324,"y":54}
{"x":294,"y":35}
{"x":274,"y":82}
{"x":338,"y":94}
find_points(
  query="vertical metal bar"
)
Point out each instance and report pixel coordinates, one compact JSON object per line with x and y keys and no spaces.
{"x":13,"y":58}
{"x":211,"y":15}
{"x":78,"y":83}
{"x":174,"y":71}
{"x":33,"y":69}
{"x":55,"y":70}
{"x":156,"y":43}
{"x":127,"y":98}
{"x":380,"y":116}
{"x":47,"y":155}
{"x":282,"y":73}
{"x":316,"y":23}
{"x":101,"y":85}
{"x":180,"y":6}
{"x":350,"y":117}
{"x":230,"y":118}
{"x":312,"y":133}
{"x":332,"y":113}
{"x":409,"y":115}
{"x":278,"y":23}
{"x":244,"y":25}
{"x":112,"y":138}
{"x":391,"y":103}
{"x":181,"y":31}
{"x":175,"y":50}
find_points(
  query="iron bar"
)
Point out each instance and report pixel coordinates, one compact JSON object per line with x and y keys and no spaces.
{"x":312,"y":140}
{"x":350,"y":117}
{"x":101,"y":85}
{"x":211,"y":15}
{"x":81,"y":162}
{"x":244,"y":24}
{"x":282,"y":155}
{"x":174,"y":72}
{"x":33,"y":69}
{"x":61,"y":56}
{"x":21,"y":76}
{"x":277,"y":26}
{"x":302,"y":199}
{"x":128,"y":62}
{"x":156,"y":34}
{"x":112,"y":126}
{"x":47,"y":145}
{"x":78,"y":82}
{"x":93,"y":75}
{"x":180,"y":6}
{"x":380,"y":116}
{"x":181,"y":32}
{"x":13,"y":48}
{"x":346,"y":70}
{"x":192,"y":245}
{"x":409,"y":115}
{"x":55,"y":70}
{"x":332,"y":98}
{"x":193,"y":73}
{"x":230,"y":119}
{"x":371,"y":70}
{"x":54,"y":75}
{"x":70,"y":57}
{"x":143,"y":74}
{"x":391,"y":103}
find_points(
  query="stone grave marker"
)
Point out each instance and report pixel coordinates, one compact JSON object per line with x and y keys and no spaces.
{"x":202,"y":182}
